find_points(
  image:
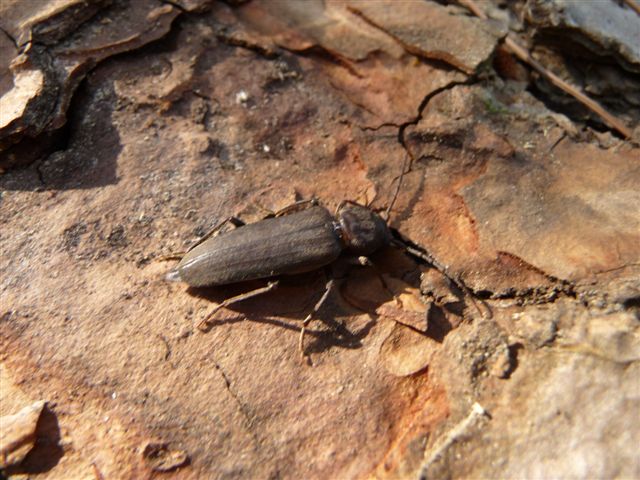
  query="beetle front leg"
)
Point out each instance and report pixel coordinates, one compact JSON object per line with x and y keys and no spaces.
{"x":296,"y":207}
{"x":178,"y":255}
{"x":235,"y":221}
{"x":309,"y":317}
{"x":366,"y":262}
{"x":205,"y":324}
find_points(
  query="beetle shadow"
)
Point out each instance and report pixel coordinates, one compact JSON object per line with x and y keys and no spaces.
{"x":293,"y":299}
{"x":296,"y":296}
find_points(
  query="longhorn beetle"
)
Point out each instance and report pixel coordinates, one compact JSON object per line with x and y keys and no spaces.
{"x":300,"y":238}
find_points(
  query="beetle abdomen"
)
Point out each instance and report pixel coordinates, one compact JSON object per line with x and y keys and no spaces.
{"x":295,"y":243}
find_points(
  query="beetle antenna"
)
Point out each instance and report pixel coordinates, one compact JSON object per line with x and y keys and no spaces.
{"x":484,"y":312}
{"x":369,"y":203}
{"x":387,"y":212}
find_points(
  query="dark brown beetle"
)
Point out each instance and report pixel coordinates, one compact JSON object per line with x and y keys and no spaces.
{"x":292,"y":242}
{"x":300,"y":238}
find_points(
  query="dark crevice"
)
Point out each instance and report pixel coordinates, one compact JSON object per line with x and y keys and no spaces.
{"x":63,"y":25}
{"x":62,"y":158}
{"x":46,"y":452}
{"x":322,"y":54}
{"x":536,"y":295}
{"x":631,"y":303}
{"x":484,"y":294}
{"x":378,"y":127}
{"x":513,"y":350}
{"x":577,"y":112}
{"x":232,"y":41}
{"x":423,"y":106}
{"x":40,"y":174}
{"x":438,"y":324}
{"x":58,"y":138}
{"x":49,"y":67}
{"x":175,"y":5}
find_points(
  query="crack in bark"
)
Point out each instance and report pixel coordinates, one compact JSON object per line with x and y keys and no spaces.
{"x":232,"y":41}
{"x":614,"y":269}
{"x":239,"y":403}
{"x":176,"y":5}
{"x":10,"y":37}
{"x":40,"y":174}
{"x":536,"y":295}
{"x":423,"y":105}
{"x":424,"y":55}
{"x":541,"y":295}
{"x":378,"y":127}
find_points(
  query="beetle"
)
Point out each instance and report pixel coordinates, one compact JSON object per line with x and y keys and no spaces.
{"x":302,"y":237}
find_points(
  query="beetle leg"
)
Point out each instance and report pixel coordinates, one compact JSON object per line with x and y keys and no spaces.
{"x":204,"y":325}
{"x":309,"y":317}
{"x":233,"y":220}
{"x":296,"y":207}
{"x":346,"y":202}
{"x":366,"y":262}
{"x":387,"y":212}
{"x":178,"y":255}
{"x":269,"y":213}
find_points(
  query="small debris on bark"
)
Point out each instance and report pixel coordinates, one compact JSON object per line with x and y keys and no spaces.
{"x":163,"y":459}
{"x":18,"y":434}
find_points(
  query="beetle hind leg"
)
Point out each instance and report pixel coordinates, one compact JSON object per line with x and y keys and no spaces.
{"x":205,"y":325}
{"x":309,"y":317}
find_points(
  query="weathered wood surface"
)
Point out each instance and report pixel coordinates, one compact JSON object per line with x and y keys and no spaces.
{"x":153,"y":121}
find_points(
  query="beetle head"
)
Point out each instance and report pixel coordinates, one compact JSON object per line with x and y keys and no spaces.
{"x":363,"y":230}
